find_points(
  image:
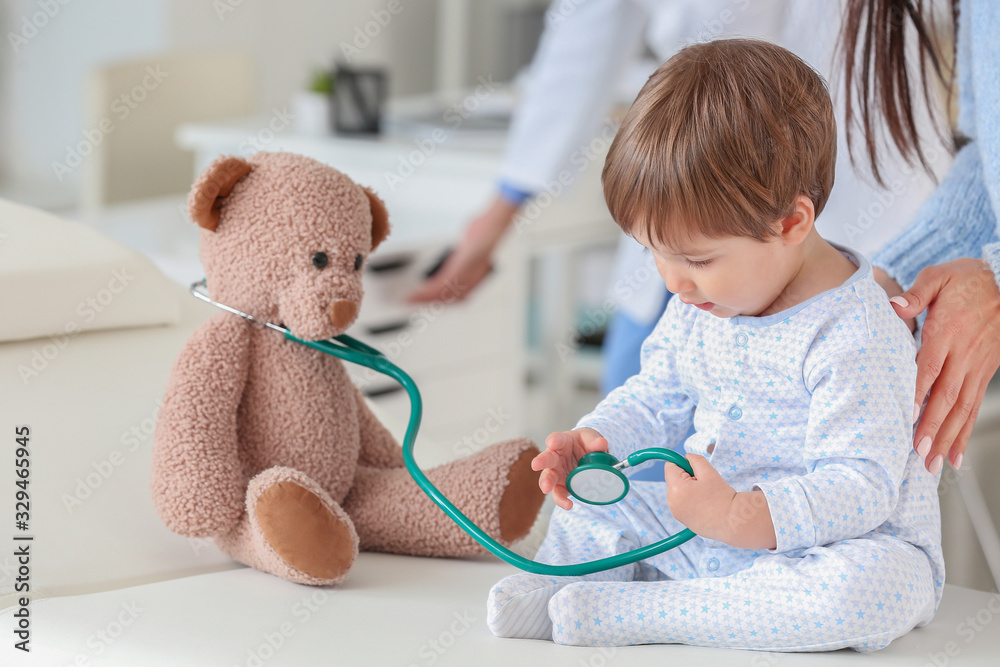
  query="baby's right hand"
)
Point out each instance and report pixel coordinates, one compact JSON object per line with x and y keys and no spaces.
{"x":562,"y":451}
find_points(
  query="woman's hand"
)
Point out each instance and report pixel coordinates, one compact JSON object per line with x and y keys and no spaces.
{"x":894,"y":290}
{"x":470,"y":261}
{"x":959,"y":353}
{"x":562,"y":451}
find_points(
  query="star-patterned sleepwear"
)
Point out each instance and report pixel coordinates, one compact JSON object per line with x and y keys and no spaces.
{"x":814,"y":407}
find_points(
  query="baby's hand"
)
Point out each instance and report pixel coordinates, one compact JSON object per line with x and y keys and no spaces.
{"x":704,"y":502}
{"x":562,"y":451}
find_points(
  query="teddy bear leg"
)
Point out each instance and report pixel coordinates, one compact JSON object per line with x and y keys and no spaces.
{"x":495,"y":488}
{"x":293,"y":529}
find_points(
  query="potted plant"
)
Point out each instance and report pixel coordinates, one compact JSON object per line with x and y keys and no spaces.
{"x":313,"y":107}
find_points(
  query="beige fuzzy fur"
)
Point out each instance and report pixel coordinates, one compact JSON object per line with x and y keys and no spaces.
{"x":246,"y":409}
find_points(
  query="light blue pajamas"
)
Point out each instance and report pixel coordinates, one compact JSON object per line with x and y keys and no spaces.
{"x":813,"y":406}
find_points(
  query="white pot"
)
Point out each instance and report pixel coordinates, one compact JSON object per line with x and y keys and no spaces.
{"x":313,"y":113}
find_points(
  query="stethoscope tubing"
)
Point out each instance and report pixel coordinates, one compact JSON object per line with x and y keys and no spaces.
{"x":350,"y":349}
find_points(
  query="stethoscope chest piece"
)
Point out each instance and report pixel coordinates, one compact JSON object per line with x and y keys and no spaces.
{"x":597,"y":479}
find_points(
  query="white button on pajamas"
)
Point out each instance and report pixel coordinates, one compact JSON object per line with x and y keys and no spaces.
{"x":813,"y":406}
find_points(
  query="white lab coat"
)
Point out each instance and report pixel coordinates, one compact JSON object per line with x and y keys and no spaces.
{"x":581,"y":58}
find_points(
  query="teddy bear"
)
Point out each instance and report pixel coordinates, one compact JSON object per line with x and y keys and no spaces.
{"x":264,"y":444}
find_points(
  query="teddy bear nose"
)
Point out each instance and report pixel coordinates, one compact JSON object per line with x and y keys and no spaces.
{"x":342,"y":312}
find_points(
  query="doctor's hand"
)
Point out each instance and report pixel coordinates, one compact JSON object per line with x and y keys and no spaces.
{"x":470,"y":261}
{"x":562,"y":451}
{"x":958,"y":355}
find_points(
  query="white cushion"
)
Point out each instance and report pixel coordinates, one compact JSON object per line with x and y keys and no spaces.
{"x":59,"y":278}
{"x":91,"y":409}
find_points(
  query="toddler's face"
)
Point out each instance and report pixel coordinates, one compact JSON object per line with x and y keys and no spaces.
{"x":734,"y":275}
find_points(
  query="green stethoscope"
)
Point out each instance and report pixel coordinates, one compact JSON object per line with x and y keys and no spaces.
{"x":597,"y":479}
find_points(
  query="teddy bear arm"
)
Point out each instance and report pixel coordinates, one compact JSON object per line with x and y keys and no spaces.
{"x":378,"y":448}
{"x":197,"y":479}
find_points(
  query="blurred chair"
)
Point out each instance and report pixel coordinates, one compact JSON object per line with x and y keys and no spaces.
{"x":970,"y":499}
{"x":982,"y":523}
{"x":132,"y":109}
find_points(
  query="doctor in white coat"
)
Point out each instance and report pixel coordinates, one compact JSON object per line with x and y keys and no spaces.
{"x":584,"y":52}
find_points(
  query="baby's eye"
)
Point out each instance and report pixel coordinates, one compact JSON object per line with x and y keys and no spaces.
{"x":320,"y":260}
{"x":699,"y":264}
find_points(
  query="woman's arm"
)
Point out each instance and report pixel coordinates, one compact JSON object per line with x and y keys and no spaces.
{"x":934,"y":259}
{"x":956,"y":221}
{"x":579,"y":62}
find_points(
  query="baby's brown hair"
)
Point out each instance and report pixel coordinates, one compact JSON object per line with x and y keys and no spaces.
{"x":721,"y":140}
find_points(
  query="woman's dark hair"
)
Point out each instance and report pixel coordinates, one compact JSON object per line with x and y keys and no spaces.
{"x":873,"y":45}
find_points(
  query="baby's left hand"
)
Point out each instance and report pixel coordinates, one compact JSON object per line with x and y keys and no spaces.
{"x":704,"y":502}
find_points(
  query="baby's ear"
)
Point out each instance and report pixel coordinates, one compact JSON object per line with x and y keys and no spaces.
{"x":213,"y":185}
{"x":380,"y":218}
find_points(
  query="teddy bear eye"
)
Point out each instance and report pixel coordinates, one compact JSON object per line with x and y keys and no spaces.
{"x":357,"y":262}
{"x":320,"y":260}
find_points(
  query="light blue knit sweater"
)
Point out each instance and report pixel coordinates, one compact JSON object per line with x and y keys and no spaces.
{"x":960,"y":217}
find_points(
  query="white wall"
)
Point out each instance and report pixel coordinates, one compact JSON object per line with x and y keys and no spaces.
{"x":288,"y":40}
{"x":42,"y":78}
{"x":43,"y":72}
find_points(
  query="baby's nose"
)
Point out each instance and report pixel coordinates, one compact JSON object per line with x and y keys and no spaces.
{"x":342,"y":312}
{"x":677,"y":283}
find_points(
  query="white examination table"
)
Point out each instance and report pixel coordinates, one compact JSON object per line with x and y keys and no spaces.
{"x":112,"y":586}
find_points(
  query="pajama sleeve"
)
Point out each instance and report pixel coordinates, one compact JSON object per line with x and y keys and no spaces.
{"x":653,"y":408}
{"x":861,"y":379}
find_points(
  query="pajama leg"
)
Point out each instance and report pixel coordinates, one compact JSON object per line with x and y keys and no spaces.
{"x":518,"y":604}
{"x":859,"y":593}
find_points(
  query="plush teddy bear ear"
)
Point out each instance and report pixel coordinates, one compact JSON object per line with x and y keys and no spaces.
{"x":380,"y":218}
{"x":212,"y":186}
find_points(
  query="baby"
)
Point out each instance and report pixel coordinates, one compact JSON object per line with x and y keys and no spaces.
{"x":818,"y":527}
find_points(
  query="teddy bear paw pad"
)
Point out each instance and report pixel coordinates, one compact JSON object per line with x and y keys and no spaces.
{"x":304,"y":532}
